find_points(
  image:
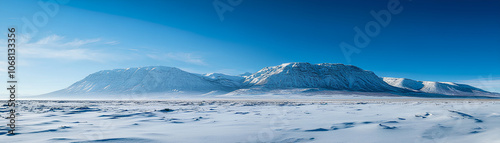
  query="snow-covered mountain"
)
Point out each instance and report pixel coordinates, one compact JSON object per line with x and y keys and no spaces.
{"x":155,"y":79}
{"x":327,"y":76}
{"x":445,"y":88}
{"x":287,"y":78}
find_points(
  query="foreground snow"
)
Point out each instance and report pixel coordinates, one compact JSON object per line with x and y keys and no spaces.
{"x":254,"y":120}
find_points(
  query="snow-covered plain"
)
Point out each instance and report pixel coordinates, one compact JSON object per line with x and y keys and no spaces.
{"x":257,"y":120}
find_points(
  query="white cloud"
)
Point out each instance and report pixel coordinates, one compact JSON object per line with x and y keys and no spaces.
{"x":56,"y":47}
{"x":112,"y":43}
{"x":179,"y":56}
{"x":47,"y":40}
{"x":78,"y":43}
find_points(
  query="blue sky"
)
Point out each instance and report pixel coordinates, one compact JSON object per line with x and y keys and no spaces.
{"x":433,"y":40}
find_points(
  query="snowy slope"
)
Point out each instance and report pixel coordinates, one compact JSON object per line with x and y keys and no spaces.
{"x":327,"y":76}
{"x":404,"y":83}
{"x":145,"y":80}
{"x":446,"y":88}
{"x":225,"y":80}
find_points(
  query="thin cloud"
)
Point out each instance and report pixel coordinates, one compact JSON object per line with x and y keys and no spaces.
{"x":112,"y":43}
{"x":180,"y":56}
{"x":56,"y":47}
{"x":78,"y":43}
{"x":47,"y":40}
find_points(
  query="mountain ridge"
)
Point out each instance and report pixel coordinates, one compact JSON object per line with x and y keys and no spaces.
{"x":308,"y":78}
{"x":447,"y":88}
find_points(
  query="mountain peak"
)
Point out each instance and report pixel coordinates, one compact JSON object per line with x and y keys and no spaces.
{"x":142,"y":80}
{"x":328,"y":76}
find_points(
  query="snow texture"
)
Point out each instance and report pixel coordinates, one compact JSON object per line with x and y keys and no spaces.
{"x":359,"y":120}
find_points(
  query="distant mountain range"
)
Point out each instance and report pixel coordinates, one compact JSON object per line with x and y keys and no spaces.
{"x":301,"y":78}
{"x":446,"y":88}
